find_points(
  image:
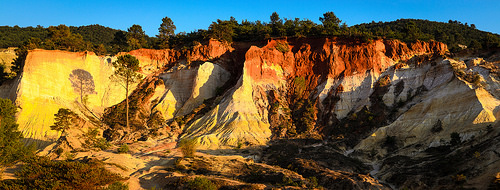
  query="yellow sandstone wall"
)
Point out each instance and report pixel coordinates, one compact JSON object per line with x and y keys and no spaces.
{"x":44,"y":87}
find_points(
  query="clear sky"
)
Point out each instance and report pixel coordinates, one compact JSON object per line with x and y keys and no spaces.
{"x":189,"y":15}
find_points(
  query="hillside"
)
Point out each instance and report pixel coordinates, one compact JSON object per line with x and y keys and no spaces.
{"x":335,"y":112}
{"x":453,"y":33}
{"x":16,"y":36}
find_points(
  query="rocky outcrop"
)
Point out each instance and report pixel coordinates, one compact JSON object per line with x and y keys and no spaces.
{"x":241,"y":114}
{"x":50,"y":81}
{"x":154,"y":60}
{"x":382,"y":102}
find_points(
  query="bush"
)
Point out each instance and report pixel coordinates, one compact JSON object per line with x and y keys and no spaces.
{"x":313,"y":182}
{"x":12,"y":149}
{"x":59,"y":151}
{"x":117,"y":186}
{"x":43,"y":173}
{"x":101,"y":144}
{"x":180,"y":120}
{"x":390,"y":142}
{"x":275,"y":107}
{"x":384,"y":81}
{"x":93,"y":141}
{"x":69,"y":155}
{"x":188,"y":147}
{"x":438,"y":127}
{"x":201,"y":183}
{"x":300,"y":86}
{"x":460,"y":178}
{"x":455,"y":139}
{"x":283,"y":47}
{"x":123,"y":149}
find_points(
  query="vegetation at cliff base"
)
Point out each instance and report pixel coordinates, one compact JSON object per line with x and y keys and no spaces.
{"x":201,"y":183}
{"x":12,"y":149}
{"x":43,"y":173}
{"x":188,"y":147}
{"x":126,"y":68}
{"x":64,"y":119}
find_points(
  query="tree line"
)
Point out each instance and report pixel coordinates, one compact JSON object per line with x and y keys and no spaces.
{"x":453,"y":33}
{"x":105,"y":40}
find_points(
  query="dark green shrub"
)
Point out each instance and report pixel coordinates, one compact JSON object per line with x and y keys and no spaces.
{"x":384,"y":81}
{"x":438,"y":127}
{"x":43,"y":173}
{"x":460,"y":178}
{"x":286,"y":181}
{"x":102,"y":144}
{"x":117,"y":186}
{"x":455,"y":139}
{"x":180,"y":120}
{"x":275,"y":107}
{"x":123,"y":149}
{"x":313,"y":182}
{"x":283,"y":47}
{"x":201,"y":183}
{"x":304,"y":116}
{"x":390,"y":143}
{"x":188,"y":147}
{"x":300,"y":86}
{"x":92,"y":140}
{"x":59,"y":151}
{"x":12,"y":149}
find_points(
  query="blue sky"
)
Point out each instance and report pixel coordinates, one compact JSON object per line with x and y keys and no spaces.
{"x":189,"y":15}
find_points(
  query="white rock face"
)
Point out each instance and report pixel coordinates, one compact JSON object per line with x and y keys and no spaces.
{"x":186,"y":89}
{"x":177,"y":90}
{"x":209,"y":78}
{"x":240,"y":117}
{"x":356,"y":93}
{"x":457,"y":104}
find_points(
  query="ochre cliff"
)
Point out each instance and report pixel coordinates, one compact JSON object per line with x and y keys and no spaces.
{"x":45,"y":85}
{"x":379,"y":101}
{"x":242,"y":116}
{"x":324,"y":64}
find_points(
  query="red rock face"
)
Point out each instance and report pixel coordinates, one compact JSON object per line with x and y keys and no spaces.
{"x":214,"y":49}
{"x":316,"y":59}
{"x":163,"y":55}
{"x":396,"y":49}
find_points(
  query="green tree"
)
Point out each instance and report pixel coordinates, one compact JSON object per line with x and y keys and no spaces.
{"x":11,"y":147}
{"x":222,"y":30}
{"x":136,"y":38}
{"x":60,"y":37}
{"x":277,"y":25}
{"x":126,"y":67}
{"x":64,"y":118}
{"x":120,"y":41}
{"x":491,"y":41}
{"x":476,"y":45}
{"x":330,"y":22}
{"x":166,"y":30}
{"x":412,"y":31}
